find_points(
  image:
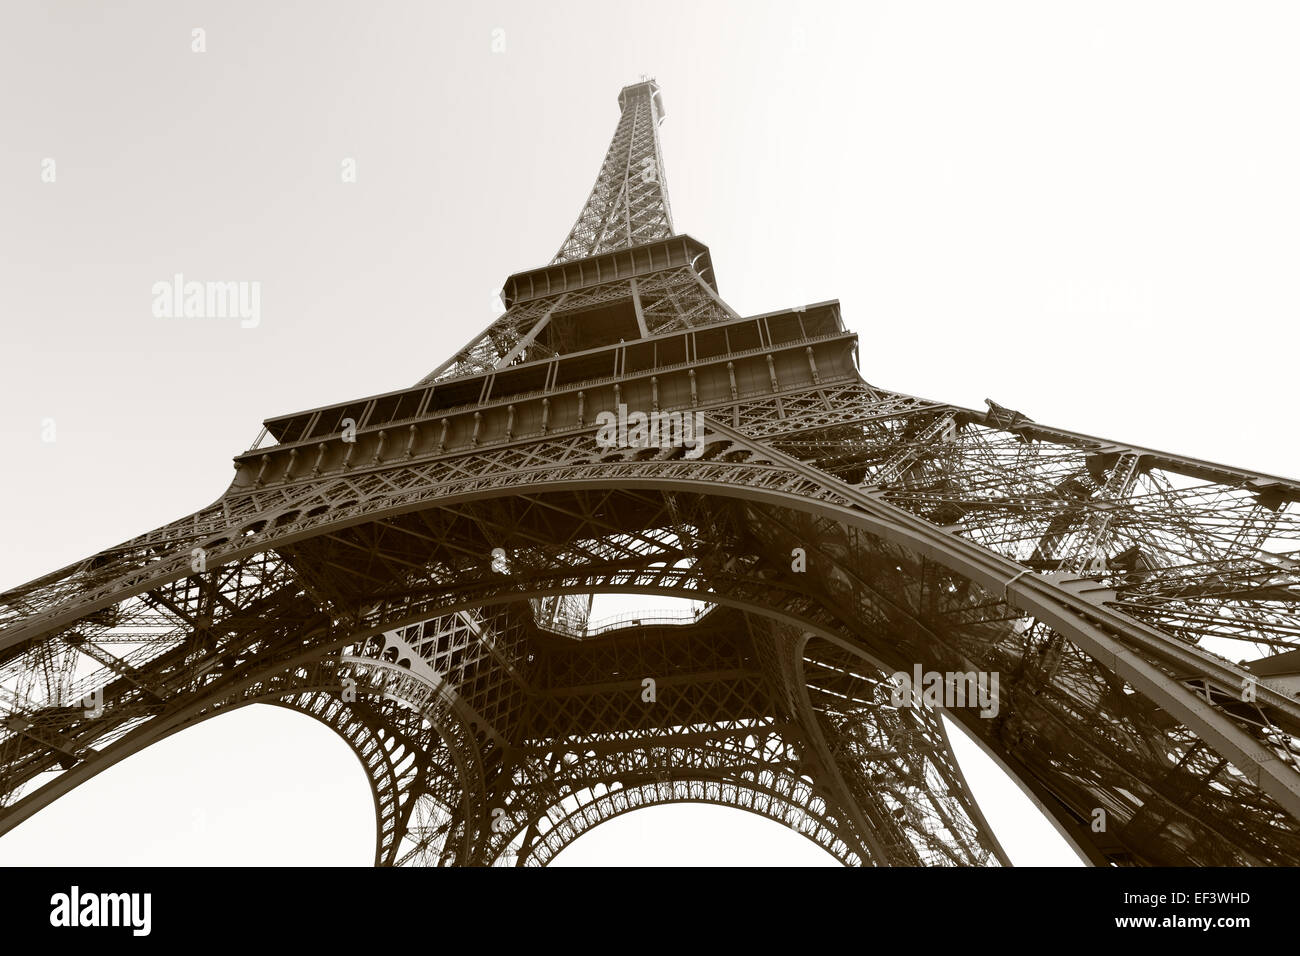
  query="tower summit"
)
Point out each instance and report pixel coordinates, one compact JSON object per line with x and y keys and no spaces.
{"x":414,"y":569}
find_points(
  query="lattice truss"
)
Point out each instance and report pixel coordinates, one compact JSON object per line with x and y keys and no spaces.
{"x":1207,"y":555}
{"x":1141,"y":610}
{"x":670,"y":300}
{"x":875,"y":746}
{"x":1066,"y":718}
{"x":205,"y":639}
{"x":629,"y":204}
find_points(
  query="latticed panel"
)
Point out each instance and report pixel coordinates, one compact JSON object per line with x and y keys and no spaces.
{"x":629,"y":202}
{"x":619,"y":533}
{"x":1204,"y":555}
{"x":497,"y":341}
{"x":898,"y":757}
{"x":1207,"y":555}
{"x":628,"y":206}
{"x":677,"y":299}
{"x":670,"y":300}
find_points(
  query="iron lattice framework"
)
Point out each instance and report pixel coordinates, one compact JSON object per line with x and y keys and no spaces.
{"x":415,"y":570}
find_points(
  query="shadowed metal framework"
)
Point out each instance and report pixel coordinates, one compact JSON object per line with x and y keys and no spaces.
{"x":415,"y":570}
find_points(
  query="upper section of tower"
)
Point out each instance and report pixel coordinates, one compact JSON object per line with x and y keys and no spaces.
{"x":628,"y":206}
{"x":628,"y":313}
{"x":648,"y":88}
{"x":623,"y":293}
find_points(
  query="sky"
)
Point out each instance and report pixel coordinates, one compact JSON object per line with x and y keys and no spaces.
{"x":1082,"y":211}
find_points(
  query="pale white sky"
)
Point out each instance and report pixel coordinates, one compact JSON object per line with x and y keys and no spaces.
{"x":1083,"y":211}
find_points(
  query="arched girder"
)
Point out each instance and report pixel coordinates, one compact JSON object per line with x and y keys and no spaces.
{"x":797,"y":485}
{"x":804,"y":623}
{"x":1066,"y":612}
{"x":684,"y":592}
{"x":299,"y":677}
{"x":418,"y":756}
{"x":775,"y":799}
{"x":578,"y":782}
{"x":402,"y":749}
{"x":774,"y":478}
{"x":367,"y":740}
{"x":898,"y":762}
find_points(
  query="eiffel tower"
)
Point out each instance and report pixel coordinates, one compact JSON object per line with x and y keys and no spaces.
{"x":416,"y":569}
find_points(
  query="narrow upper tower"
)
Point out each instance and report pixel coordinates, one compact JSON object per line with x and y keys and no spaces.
{"x":622,"y":274}
{"x":628,"y":205}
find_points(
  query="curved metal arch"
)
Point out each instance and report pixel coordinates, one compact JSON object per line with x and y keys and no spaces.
{"x":381,"y":752}
{"x":884,"y":841}
{"x":766,"y":611}
{"x":1076,"y":616}
{"x":76,"y":775}
{"x":315,"y":693}
{"x":381,"y":759}
{"x":812,"y":730}
{"x":1069,"y":614}
{"x":365,"y":742}
{"x":764,"y":801}
{"x":311,"y":697}
{"x":954,"y":778}
{"x":359,"y":736}
{"x":1034,"y":792}
{"x":1083,"y":621}
{"x":1063,"y":822}
{"x":290,"y":675}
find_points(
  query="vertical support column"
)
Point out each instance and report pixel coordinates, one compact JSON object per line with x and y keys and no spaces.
{"x":640,"y":313}
{"x":812,"y":365}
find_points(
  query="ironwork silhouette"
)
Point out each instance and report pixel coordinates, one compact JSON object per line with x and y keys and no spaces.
{"x":415,"y":570}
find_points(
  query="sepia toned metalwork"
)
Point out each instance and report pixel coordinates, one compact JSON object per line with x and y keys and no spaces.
{"x":416,"y":569}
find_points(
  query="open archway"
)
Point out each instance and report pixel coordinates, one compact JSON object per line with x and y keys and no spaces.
{"x":889,"y":580}
{"x":256,"y":786}
{"x":691,"y":834}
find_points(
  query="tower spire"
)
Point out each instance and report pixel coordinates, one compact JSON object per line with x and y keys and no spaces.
{"x":629,"y":203}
